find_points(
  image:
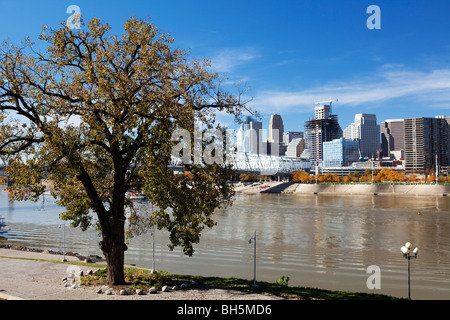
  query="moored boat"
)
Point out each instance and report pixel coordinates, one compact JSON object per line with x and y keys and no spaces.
{"x":132,"y":195}
{"x":3,"y":225}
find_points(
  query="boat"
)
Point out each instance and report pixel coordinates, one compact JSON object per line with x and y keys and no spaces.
{"x":3,"y":225}
{"x":132,"y":195}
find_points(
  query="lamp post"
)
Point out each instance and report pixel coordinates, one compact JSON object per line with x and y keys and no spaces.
{"x":254,"y":286}
{"x":152,"y":233}
{"x":153,"y":253}
{"x":437,"y":169}
{"x":406,"y":250}
{"x":372,"y":170}
{"x":64,"y":241}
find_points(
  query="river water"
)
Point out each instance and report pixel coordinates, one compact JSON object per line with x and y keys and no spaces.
{"x":323,"y":241}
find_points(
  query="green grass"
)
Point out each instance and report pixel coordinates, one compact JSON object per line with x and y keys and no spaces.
{"x":138,"y":278}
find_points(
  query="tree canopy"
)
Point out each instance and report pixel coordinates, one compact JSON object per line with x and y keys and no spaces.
{"x":94,"y":114}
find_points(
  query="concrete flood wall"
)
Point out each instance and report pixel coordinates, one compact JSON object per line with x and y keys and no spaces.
{"x":435,"y":190}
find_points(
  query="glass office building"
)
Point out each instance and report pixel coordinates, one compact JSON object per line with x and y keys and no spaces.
{"x":340,"y":153}
{"x":367,"y":131}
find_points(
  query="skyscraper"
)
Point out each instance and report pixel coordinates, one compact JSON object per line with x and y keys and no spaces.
{"x":276,"y":129}
{"x":426,"y":143}
{"x":322,"y":111}
{"x":275,"y":144}
{"x":392,"y":137}
{"x":324,"y":127}
{"x":249,"y":136}
{"x":366,"y":130}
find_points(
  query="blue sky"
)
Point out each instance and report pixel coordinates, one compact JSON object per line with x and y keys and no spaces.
{"x":292,"y":53}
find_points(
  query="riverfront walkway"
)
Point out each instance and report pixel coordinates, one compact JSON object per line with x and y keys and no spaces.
{"x":25,"y":277}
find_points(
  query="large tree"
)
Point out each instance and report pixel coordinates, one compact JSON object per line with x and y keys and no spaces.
{"x":94,"y":113}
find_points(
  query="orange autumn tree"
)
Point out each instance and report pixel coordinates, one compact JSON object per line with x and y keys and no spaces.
{"x":301,"y":176}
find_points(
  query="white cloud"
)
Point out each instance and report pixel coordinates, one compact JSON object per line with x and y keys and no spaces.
{"x":392,"y":66}
{"x":430,"y":88}
{"x":229,"y":59}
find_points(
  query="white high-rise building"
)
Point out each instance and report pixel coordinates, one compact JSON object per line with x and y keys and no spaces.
{"x":249,"y":136}
{"x":322,"y":111}
{"x":366,"y":130}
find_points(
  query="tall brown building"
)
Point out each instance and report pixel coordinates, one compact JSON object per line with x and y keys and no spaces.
{"x":426,"y":143}
{"x":275,"y":145}
{"x":276,"y":129}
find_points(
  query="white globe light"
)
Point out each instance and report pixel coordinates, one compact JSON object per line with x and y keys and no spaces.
{"x":405,"y":250}
{"x":408,"y":245}
{"x":416,"y":250}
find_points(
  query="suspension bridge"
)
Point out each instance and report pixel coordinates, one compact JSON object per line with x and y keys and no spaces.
{"x":249,"y":163}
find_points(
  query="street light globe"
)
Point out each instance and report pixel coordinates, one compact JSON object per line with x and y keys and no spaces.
{"x":408,"y":245}
{"x":405,"y":250}
{"x":416,"y":250}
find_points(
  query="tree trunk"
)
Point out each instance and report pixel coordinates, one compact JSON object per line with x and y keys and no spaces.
{"x":113,"y":247}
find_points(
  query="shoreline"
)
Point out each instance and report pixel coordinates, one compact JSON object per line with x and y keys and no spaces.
{"x":36,"y":275}
{"x":295,"y":188}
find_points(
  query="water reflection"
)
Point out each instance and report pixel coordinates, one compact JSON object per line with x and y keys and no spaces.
{"x":324,"y":241}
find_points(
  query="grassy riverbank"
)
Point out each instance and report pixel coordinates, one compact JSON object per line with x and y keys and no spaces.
{"x":301,"y":293}
{"x":140,"y":278}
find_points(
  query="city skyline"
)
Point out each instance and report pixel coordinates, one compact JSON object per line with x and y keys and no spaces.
{"x":266,"y":124}
{"x":292,"y":54}
{"x":116,"y":125}
{"x":411,"y":144}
